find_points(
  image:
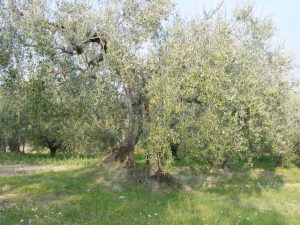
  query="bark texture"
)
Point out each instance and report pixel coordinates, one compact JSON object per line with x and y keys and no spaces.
{"x":53,"y":147}
{"x":2,"y":144}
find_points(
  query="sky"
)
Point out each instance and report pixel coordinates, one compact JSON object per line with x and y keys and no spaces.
{"x":284,"y":13}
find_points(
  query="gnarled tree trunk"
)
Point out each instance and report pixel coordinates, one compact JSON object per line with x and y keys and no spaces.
{"x":124,"y":151}
{"x":2,"y":144}
{"x":174,"y":149}
{"x":14,"y":145}
{"x":53,"y":147}
{"x":161,"y":176}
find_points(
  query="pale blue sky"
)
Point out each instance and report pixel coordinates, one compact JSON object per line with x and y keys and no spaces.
{"x":285,"y":15}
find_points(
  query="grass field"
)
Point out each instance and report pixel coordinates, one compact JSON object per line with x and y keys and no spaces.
{"x":70,"y":190}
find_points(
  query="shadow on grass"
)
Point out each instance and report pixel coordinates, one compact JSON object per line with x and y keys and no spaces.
{"x":236,"y":180}
{"x":251,"y":182}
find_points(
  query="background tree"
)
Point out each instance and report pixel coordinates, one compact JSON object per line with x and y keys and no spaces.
{"x":295,"y":120}
{"x":13,"y":115}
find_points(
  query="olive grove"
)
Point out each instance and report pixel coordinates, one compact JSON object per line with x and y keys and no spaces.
{"x":121,"y":73}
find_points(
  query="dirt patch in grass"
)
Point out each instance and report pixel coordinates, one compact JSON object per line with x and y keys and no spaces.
{"x":21,"y":169}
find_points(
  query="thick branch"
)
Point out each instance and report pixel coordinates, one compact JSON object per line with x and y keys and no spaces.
{"x":99,"y":39}
{"x":77,"y":49}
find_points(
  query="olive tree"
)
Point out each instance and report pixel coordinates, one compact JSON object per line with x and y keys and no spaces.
{"x":220,"y":90}
{"x":106,"y":44}
{"x":12,"y":112}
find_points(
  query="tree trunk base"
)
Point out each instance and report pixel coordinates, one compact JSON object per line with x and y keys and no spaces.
{"x":122,"y":153}
{"x":164,"y":178}
{"x":52,"y":153}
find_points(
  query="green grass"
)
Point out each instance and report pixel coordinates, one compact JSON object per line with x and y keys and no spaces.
{"x":42,"y":159}
{"x":91,"y":194}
